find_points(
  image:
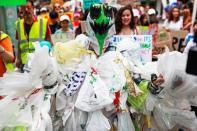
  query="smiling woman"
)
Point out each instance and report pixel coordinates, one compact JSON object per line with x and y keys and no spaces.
{"x":124,"y":21}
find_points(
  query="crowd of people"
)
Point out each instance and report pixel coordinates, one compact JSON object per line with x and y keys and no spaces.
{"x":38,"y":23}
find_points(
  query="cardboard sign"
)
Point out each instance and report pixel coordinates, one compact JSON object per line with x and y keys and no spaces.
{"x":62,"y":37}
{"x":12,"y":2}
{"x":178,"y":38}
{"x":163,"y":38}
{"x":88,"y":3}
{"x":125,"y":2}
{"x":139,"y":47}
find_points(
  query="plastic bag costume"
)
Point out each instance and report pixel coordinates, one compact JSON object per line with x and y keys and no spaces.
{"x":88,"y":85}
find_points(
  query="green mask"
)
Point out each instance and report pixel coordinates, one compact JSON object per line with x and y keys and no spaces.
{"x":101,"y":21}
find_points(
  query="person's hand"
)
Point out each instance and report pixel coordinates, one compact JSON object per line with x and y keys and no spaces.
{"x":1,"y":49}
{"x":18,"y":63}
{"x":160,"y":80}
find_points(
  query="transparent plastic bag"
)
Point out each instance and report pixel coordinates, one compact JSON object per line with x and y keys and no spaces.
{"x":151,"y":102}
{"x":124,"y":122}
{"x":163,"y":119}
{"x":177,"y":83}
{"x":167,"y":117}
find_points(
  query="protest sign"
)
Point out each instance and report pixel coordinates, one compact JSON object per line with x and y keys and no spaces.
{"x":88,"y":3}
{"x":62,"y":37}
{"x":163,"y":42}
{"x":178,"y":38}
{"x":163,"y":38}
{"x":139,"y":47}
{"x":12,"y":2}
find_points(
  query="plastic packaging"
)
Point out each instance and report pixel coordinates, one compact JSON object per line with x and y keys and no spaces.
{"x":94,"y":94}
{"x":97,"y":122}
{"x":124,"y":122}
{"x":138,"y":101}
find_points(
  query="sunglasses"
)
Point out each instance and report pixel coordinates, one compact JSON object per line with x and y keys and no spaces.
{"x":57,"y":6}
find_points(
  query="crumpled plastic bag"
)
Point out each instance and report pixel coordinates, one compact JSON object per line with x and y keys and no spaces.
{"x":167,"y":117}
{"x":94,"y":94}
{"x":67,"y":116}
{"x":177,"y":83}
{"x":138,"y":101}
{"x":124,"y":122}
{"x":71,"y":50}
{"x":112,"y":71}
{"x":15,"y":113}
{"x":44,"y":67}
{"x":97,"y":122}
{"x":17,"y":84}
{"x":73,"y":82}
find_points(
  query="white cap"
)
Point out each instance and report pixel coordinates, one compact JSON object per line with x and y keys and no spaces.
{"x":136,"y":13}
{"x":43,"y":9}
{"x":64,"y":17}
{"x":151,"y":12}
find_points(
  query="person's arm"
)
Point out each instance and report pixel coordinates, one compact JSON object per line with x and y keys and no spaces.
{"x":188,"y":46}
{"x":6,"y":50}
{"x":48,"y":35}
{"x":187,"y":26}
{"x":18,"y":58}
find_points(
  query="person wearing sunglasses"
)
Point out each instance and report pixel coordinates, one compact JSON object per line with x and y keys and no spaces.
{"x":30,"y":29}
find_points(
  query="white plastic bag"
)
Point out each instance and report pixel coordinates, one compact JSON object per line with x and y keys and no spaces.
{"x":111,"y":70}
{"x":17,"y":84}
{"x":17,"y":112}
{"x":97,"y":122}
{"x":177,"y":83}
{"x":94,"y":94}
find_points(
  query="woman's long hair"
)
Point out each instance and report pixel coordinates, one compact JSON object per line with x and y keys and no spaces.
{"x":195,"y":33}
{"x":118,"y":19}
{"x":171,"y":17}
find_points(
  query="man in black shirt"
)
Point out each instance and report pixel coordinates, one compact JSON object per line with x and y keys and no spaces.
{"x":54,"y":22}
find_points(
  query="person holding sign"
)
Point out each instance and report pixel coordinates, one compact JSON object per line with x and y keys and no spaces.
{"x":124,"y":21}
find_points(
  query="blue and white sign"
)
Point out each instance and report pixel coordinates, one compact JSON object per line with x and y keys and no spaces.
{"x":136,"y":47}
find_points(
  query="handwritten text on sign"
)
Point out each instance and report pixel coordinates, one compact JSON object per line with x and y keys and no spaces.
{"x":139,"y":47}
